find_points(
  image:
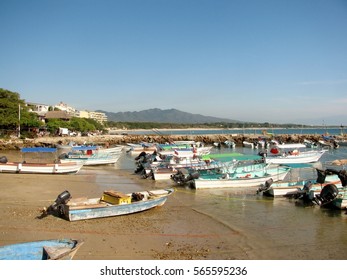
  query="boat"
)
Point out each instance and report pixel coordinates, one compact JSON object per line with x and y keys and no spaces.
{"x":92,"y":155}
{"x":219,"y":165}
{"x":292,"y":153}
{"x":326,"y":192}
{"x":165,"y":170}
{"x":136,"y":149}
{"x":331,"y":195}
{"x":110,"y":204}
{"x":296,"y":189}
{"x":341,"y":142}
{"x":57,"y":167}
{"x":246,"y":179}
{"x":55,"y":249}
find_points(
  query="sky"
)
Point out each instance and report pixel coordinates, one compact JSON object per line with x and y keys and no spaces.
{"x":277,"y":61}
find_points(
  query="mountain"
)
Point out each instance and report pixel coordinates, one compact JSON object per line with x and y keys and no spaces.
{"x":162,"y":116}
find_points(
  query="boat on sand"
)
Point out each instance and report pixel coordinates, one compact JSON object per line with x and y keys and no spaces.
{"x":47,"y":167}
{"x":56,"y":249}
{"x":111,"y":203}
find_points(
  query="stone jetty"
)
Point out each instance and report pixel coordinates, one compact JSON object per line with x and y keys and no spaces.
{"x":109,"y":140}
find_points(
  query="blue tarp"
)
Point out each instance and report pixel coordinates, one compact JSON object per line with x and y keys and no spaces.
{"x":38,"y":150}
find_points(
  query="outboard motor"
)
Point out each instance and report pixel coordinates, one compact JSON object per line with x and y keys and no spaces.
{"x":181,"y":179}
{"x":266,"y":186}
{"x":3,"y":159}
{"x":327,"y":195}
{"x":62,"y":198}
{"x":305,"y":193}
{"x":321,"y":174}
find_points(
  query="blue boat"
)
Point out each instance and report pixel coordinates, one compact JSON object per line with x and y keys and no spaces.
{"x":56,"y":249}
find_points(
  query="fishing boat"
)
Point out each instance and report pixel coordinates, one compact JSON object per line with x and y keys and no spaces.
{"x":136,"y":149}
{"x":164,"y":170}
{"x":331,"y":195}
{"x":92,"y":155}
{"x":54,"y":167}
{"x":110,"y":204}
{"x":325,"y":192}
{"x":56,"y":249}
{"x":292,"y":153}
{"x":295,"y":189}
{"x":242,"y":179}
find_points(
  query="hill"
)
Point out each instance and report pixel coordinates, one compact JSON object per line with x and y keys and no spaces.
{"x":163,"y":116}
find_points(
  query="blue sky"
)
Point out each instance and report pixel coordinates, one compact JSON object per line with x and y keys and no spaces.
{"x":264,"y":61}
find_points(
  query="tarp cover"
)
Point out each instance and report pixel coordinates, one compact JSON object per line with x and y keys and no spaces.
{"x":38,"y":150}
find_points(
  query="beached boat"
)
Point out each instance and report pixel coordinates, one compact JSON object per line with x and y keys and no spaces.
{"x":56,"y":249}
{"x":241,"y":179}
{"x":111,"y":203}
{"x":25,"y":167}
{"x":292,"y":153}
{"x":92,"y":155}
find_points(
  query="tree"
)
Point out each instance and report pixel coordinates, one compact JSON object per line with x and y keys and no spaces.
{"x":14,"y":112}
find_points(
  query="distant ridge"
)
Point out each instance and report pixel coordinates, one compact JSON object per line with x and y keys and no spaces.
{"x":163,"y":116}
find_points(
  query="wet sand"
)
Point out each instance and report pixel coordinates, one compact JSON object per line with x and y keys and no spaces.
{"x":171,"y":232}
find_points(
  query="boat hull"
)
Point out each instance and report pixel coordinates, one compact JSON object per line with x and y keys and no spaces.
{"x":37,"y":168}
{"x":300,"y":158}
{"x":102,"y":159}
{"x":61,"y":249}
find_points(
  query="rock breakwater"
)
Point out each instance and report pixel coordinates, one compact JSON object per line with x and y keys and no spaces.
{"x":109,"y":140}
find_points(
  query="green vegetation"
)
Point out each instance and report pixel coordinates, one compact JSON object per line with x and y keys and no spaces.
{"x":15,"y":119}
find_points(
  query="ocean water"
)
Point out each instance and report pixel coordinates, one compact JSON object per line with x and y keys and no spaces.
{"x":270,"y":228}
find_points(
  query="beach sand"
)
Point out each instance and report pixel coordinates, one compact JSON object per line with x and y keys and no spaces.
{"x":173,"y":231}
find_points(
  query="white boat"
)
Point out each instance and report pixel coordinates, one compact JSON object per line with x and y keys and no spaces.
{"x":25,"y":167}
{"x":328,"y":191}
{"x":92,"y":155}
{"x":136,"y":149}
{"x":247,"y":179}
{"x":292,"y":153}
{"x":332,"y":195}
{"x":296,"y":188}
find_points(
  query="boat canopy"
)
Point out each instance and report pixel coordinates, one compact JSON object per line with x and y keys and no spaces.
{"x":231,"y":156}
{"x":38,"y":150}
{"x":84,"y":148}
{"x":291,"y":146}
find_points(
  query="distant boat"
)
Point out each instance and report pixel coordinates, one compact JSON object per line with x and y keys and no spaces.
{"x":25,"y":167}
{"x":292,"y":153}
{"x":56,"y":249}
{"x":110,"y":204}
